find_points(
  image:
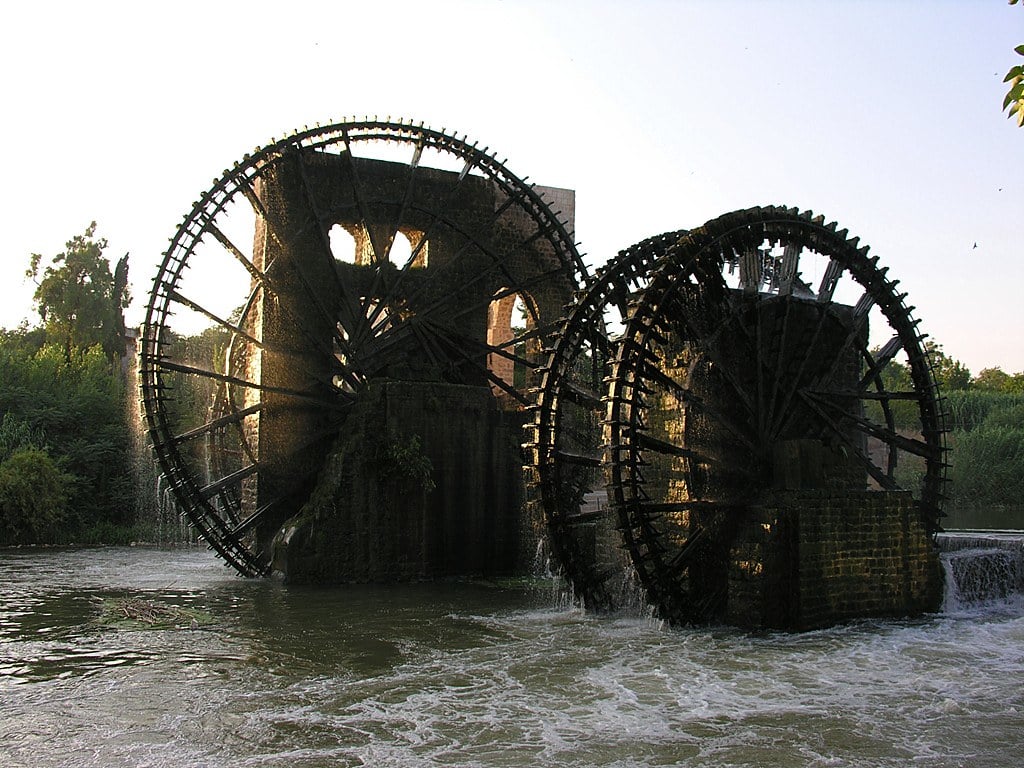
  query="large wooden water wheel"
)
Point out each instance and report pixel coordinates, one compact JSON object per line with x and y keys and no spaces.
{"x":760,"y":332}
{"x":260,"y":325}
{"x":765,"y":329}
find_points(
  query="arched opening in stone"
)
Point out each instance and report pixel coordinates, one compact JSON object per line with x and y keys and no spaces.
{"x":343,"y":244}
{"x":409,"y":246}
{"x":510,"y":317}
{"x":401,"y":249}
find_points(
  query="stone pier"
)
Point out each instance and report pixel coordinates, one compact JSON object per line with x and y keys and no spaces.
{"x":425,"y":482}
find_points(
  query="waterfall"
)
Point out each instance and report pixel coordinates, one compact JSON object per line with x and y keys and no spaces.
{"x":981,"y":567}
{"x":157,"y":517}
{"x":143,"y":467}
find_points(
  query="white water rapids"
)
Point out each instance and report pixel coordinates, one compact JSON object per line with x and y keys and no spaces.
{"x":474,"y":675}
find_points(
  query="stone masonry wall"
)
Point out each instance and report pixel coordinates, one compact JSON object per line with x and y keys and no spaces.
{"x":814,"y":558}
{"x":424,"y":482}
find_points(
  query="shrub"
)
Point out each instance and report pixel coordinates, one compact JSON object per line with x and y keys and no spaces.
{"x":988,"y":466}
{"x":968,"y":409}
{"x":987,"y":450}
{"x":33,"y":498}
{"x":74,"y":409}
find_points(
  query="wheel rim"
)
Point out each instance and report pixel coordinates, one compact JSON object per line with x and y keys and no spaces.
{"x":566,"y":431}
{"x":734,"y":338}
{"x":348,"y":320}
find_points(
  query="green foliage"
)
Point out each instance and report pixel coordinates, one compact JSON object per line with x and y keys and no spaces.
{"x":74,"y":408}
{"x":949,"y":372}
{"x":407,"y":459}
{"x":988,"y":466}
{"x":986,"y":440}
{"x":896,"y":378}
{"x":33,"y":498}
{"x":79,"y":300}
{"x":997,"y":380}
{"x":1007,"y":415}
{"x":969,"y":409}
{"x":987,"y":453}
{"x":1014,"y":101}
{"x":952,"y":376}
{"x":18,"y":435}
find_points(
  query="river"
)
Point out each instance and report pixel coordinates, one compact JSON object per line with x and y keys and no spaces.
{"x":470,"y":674}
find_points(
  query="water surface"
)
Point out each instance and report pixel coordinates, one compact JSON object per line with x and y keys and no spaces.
{"x":471,"y":675}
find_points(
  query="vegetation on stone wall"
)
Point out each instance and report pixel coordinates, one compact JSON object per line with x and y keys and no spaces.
{"x":405,"y":457}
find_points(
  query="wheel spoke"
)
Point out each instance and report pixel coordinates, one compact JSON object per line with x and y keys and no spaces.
{"x":876,"y":365}
{"x":697,"y":505}
{"x":228,"y":480}
{"x":390,"y":293}
{"x":886,"y":435}
{"x":786,"y":413}
{"x":521,"y":287}
{"x":647,"y":442}
{"x":256,"y":274}
{"x":317,"y":219}
{"x":884,"y":479}
{"x":577,"y":459}
{"x":234,"y":417}
{"x":376,"y":254}
{"x":788,"y":269}
{"x":579,"y":394}
{"x":457,"y":344}
{"x":372,"y":324}
{"x":272,"y":290}
{"x":195,"y":307}
{"x":829,"y":281}
{"x":340,"y":403}
{"x":854,"y":394}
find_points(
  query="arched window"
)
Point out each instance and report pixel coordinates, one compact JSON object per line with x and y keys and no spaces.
{"x":412,"y":239}
{"x":508,"y":318}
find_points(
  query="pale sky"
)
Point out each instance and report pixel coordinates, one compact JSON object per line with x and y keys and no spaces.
{"x":883,"y":116}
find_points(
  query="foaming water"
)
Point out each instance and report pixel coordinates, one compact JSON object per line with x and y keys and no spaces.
{"x":474,"y":675}
{"x":981,"y":567}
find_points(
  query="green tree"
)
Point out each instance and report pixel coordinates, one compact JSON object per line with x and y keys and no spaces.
{"x":1014,"y":101}
{"x":81,"y":302}
{"x":997,"y":380}
{"x":950,"y":373}
{"x":991,"y":380}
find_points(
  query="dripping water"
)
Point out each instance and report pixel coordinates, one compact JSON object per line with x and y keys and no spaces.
{"x":158,"y":518}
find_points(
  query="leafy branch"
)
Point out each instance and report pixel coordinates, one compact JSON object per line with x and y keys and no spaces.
{"x":1014,"y":100}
